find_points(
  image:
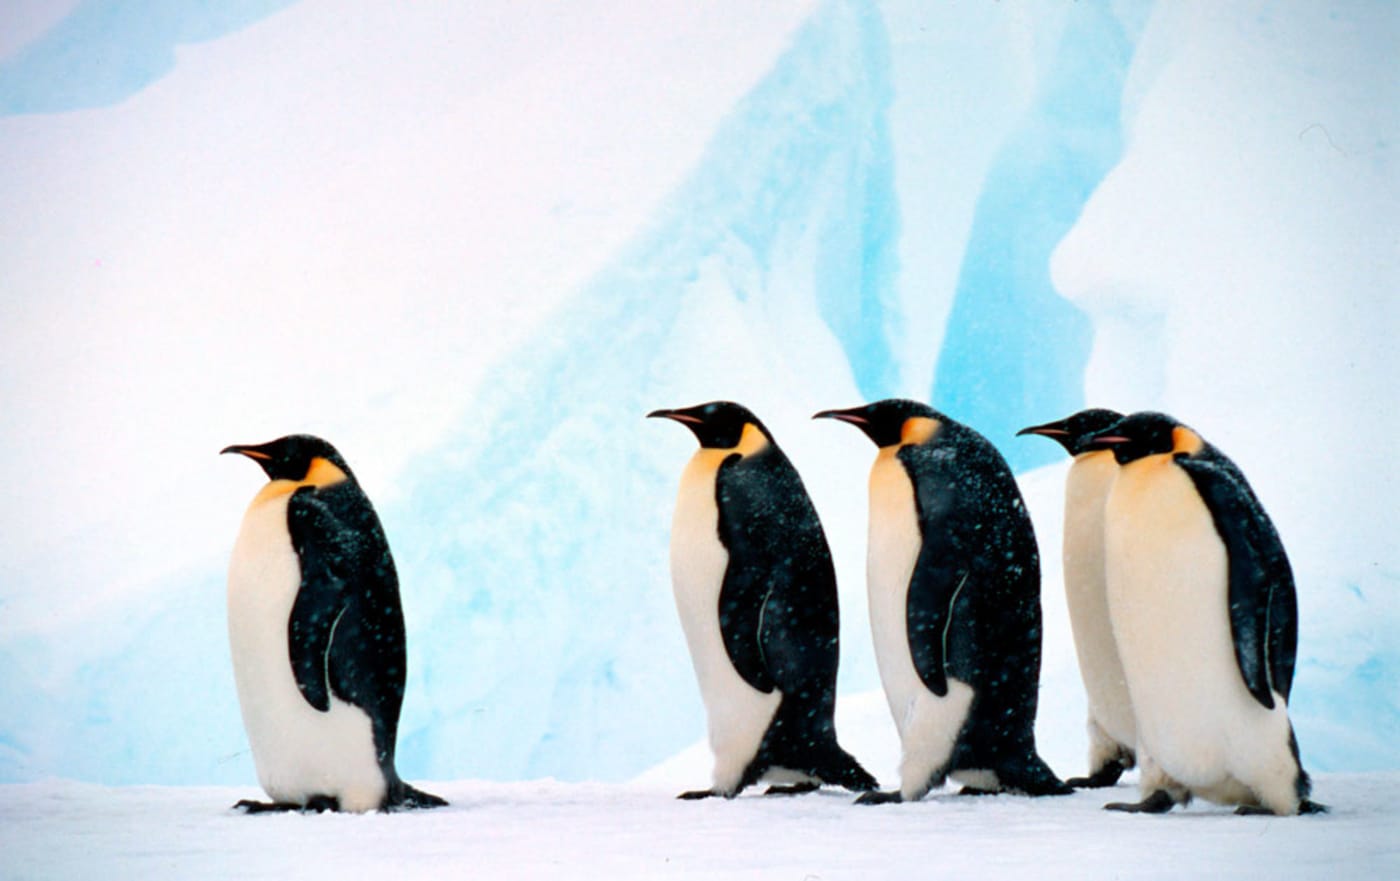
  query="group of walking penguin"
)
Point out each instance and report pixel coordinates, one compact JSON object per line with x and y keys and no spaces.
{"x":1181,"y":601}
{"x":1180,"y":596}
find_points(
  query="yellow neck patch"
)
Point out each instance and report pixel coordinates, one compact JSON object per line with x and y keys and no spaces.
{"x":321,"y":474}
{"x":1184,"y":440}
{"x":751,"y":441}
{"x":918,"y":430}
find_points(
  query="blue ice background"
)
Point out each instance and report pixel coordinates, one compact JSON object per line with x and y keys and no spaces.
{"x":105,"y":51}
{"x":1015,"y":350}
{"x":533,"y":591}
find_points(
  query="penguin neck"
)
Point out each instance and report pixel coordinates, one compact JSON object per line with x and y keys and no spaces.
{"x":915,"y":431}
{"x":323,"y":473}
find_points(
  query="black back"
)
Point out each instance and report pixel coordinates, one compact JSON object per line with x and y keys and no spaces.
{"x":1262,"y":594}
{"x":346,"y":631}
{"x":778,"y":609}
{"x":974,"y":598}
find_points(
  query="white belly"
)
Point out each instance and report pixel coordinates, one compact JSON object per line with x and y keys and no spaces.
{"x":300,"y":752}
{"x":1086,"y":593}
{"x":1168,"y":602}
{"x":928,"y":725}
{"x":738,"y":714}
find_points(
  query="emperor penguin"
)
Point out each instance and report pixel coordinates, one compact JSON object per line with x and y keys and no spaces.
{"x":954,"y":587}
{"x":756,"y":592}
{"x":1112,"y":729}
{"x":1204,"y":611}
{"x":317,"y":635}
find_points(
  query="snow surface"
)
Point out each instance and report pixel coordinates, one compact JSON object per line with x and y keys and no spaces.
{"x":473,"y":245}
{"x":548,"y":829}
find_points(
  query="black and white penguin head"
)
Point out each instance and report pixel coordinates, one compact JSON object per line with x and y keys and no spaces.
{"x":892,"y":422}
{"x":1074,"y":432}
{"x":717,"y":425}
{"x":292,"y":457}
{"x":1145,"y":434}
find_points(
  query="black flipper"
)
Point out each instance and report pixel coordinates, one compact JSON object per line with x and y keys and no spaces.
{"x":1262,"y":595}
{"x":346,"y":630}
{"x":940,"y":573}
{"x":779,"y":615}
{"x":747,"y":590}
{"x":321,"y":598}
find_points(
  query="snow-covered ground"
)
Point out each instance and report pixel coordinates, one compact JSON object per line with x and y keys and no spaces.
{"x":549,"y":829}
{"x":473,"y":243}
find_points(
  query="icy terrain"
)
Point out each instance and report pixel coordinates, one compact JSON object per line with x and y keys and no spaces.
{"x":549,"y":829}
{"x":473,"y":246}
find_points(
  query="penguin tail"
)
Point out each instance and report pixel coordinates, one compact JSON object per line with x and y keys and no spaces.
{"x":840,"y":768}
{"x":404,"y":797}
{"x":1032,"y":776}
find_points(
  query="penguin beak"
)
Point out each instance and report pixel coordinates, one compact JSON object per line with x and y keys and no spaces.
{"x":852,"y":416}
{"x":677,"y":415}
{"x":251,"y":452}
{"x":1049,"y":429}
{"x":1105,"y":441}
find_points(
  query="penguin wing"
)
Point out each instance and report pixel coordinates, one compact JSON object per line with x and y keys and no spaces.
{"x":777,"y":607}
{"x":1262,"y":596}
{"x":321,"y":599}
{"x":941,"y":570}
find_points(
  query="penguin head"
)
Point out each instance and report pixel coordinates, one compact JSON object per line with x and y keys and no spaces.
{"x":292,"y":457}
{"x":1074,"y":432}
{"x":718,"y":425}
{"x":892,"y":422}
{"x":1145,"y":434}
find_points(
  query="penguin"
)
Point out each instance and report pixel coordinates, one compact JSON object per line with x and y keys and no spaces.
{"x":1204,"y":612}
{"x":755,"y":589}
{"x":954,"y":587}
{"x":1112,"y":729}
{"x":317,"y":636}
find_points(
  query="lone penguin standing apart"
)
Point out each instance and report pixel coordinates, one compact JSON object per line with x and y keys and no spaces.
{"x":317,"y":636}
{"x":756,"y":592}
{"x":1205,"y":616}
{"x":1112,"y":730}
{"x":954,"y":581}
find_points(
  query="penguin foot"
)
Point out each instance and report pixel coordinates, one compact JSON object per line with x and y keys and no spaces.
{"x":876,"y":797}
{"x":793,"y":789}
{"x":1106,"y":776}
{"x":1159,"y":802}
{"x":697,"y":794}
{"x":319,"y":804}
{"x":1305,"y":806}
{"x":1031,"y":776}
{"x":417,"y":799}
{"x":977,"y":790}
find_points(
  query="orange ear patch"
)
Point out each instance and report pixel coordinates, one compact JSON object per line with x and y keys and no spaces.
{"x":918,"y":430}
{"x":1186,"y":441}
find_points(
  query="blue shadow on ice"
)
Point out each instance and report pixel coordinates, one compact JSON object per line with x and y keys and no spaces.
{"x":105,"y":51}
{"x":1014,"y":350}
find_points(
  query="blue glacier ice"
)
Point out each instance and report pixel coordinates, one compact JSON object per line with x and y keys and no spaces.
{"x":531,"y":539}
{"x":1014,"y":350}
{"x":105,"y":51}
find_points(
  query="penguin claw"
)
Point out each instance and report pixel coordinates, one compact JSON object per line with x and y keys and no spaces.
{"x":1159,"y":802}
{"x":877,"y":797}
{"x":697,"y":794}
{"x":1304,"y":807}
{"x":319,"y":804}
{"x":1106,"y":776}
